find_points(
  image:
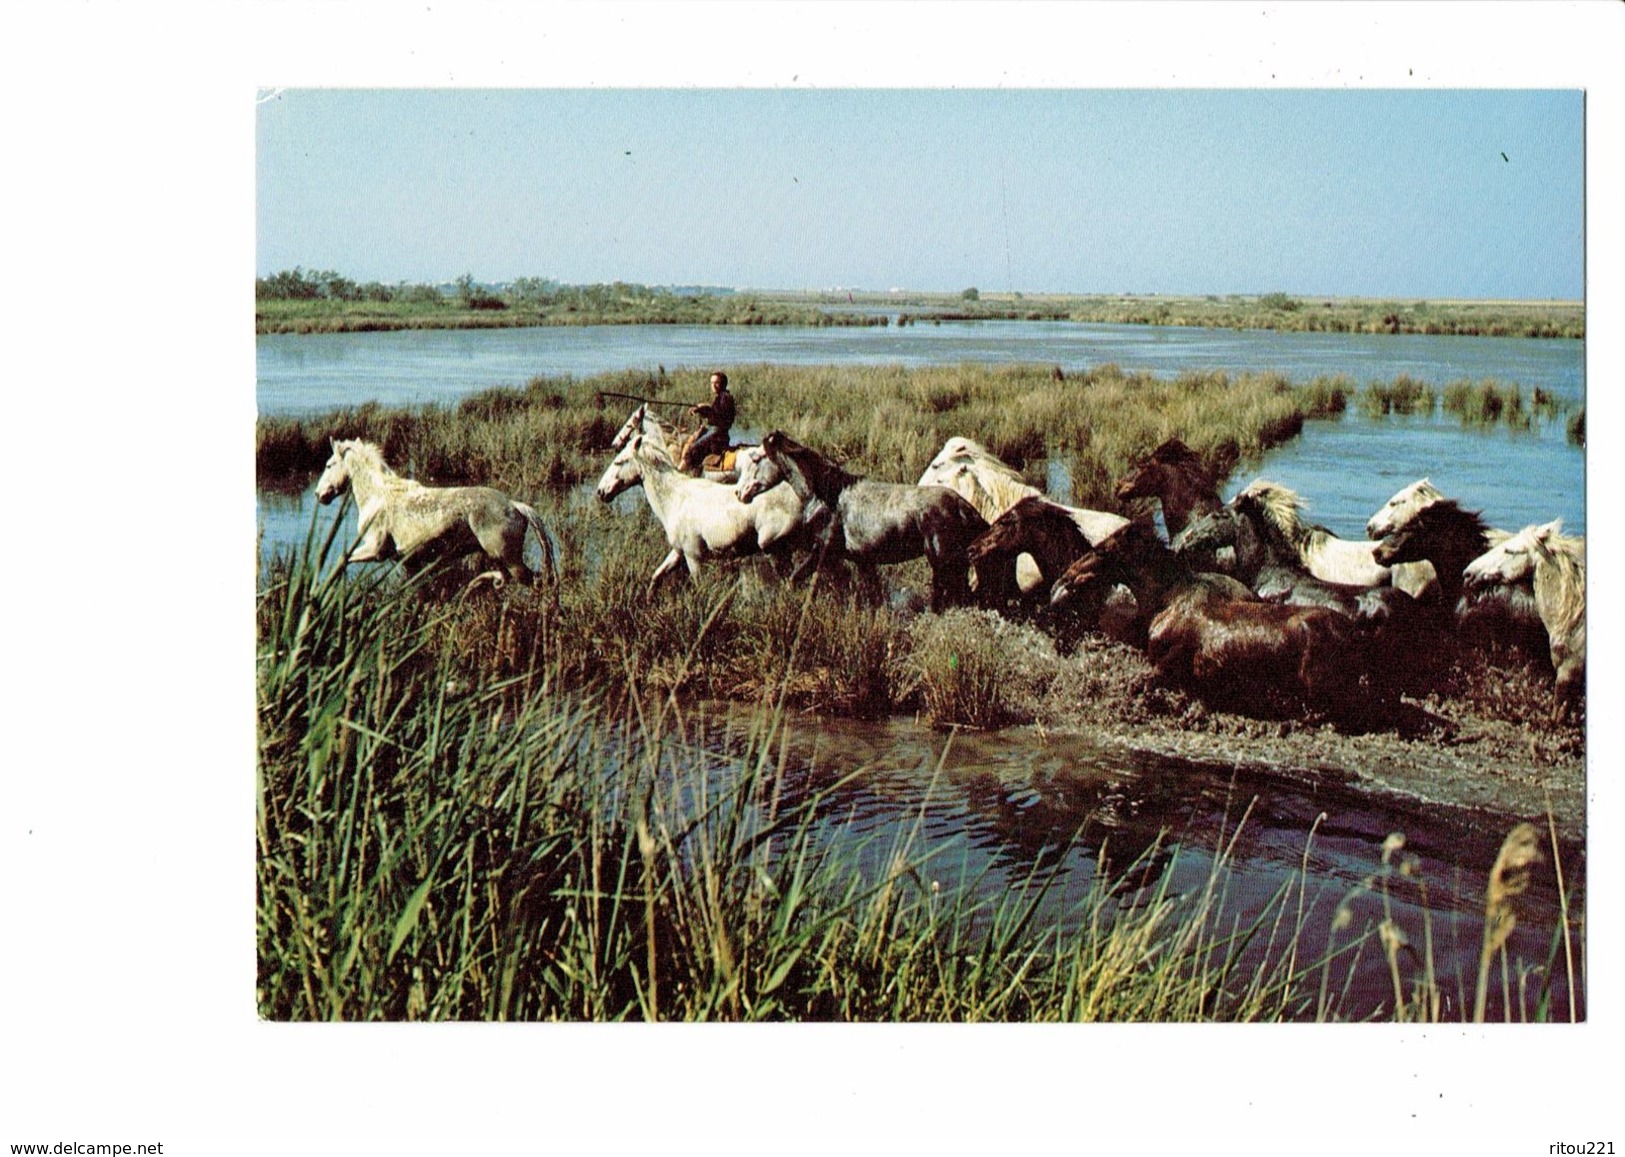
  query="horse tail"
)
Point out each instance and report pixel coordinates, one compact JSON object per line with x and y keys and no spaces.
{"x":535,"y":521}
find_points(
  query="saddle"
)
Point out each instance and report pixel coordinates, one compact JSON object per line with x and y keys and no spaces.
{"x":724,"y":463}
{"x":723,"y":467}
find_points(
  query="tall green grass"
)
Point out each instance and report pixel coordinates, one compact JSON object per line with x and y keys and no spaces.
{"x":884,"y":421}
{"x":1488,"y":402}
{"x":1403,"y":395}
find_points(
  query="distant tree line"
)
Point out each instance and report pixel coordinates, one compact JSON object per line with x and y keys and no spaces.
{"x":298,"y":284}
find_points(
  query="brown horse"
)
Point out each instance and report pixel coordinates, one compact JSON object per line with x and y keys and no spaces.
{"x":1176,"y":476}
{"x":1034,"y":526}
{"x":1227,"y":647}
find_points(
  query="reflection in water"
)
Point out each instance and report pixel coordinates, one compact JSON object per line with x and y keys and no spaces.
{"x":1019,"y":809}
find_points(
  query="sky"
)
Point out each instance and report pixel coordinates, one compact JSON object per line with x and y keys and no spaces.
{"x":1438,"y":193}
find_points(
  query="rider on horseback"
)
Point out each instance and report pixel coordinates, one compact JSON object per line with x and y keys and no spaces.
{"x":718,"y":415}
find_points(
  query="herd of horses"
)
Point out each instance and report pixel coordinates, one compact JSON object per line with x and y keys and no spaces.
{"x":1243,"y":602}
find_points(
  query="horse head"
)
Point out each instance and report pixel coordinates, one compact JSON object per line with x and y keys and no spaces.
{"x":1397,"y":512}
{"x":1003,"y":536}
{"x":1404,"y":545}
{"x":335,"y":475}
{"x":1112,"y":562}
{"x":1149,"y":477}
{"x":1514,"y":559}
{"x":624,"y":472}
{"x":941,"y":470}
{"x":1440,"y":532}
{"x":1209,"y":533}
{"x":1089,"y":575}
{"x":758,"y":472}
{"x":958,"y":447}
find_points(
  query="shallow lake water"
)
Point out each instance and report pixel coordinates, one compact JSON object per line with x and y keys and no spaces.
{"x":999,"y":805}
{"x":1344,"y":468}
{"x":1022,"y":809}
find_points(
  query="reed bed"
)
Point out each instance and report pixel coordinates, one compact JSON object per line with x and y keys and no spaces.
{"x":304,"y":316}
{"x":315,"y":309}
{"x":1403,"y":395}
{"x":441,"y":841}
{"x":1488,"y":402}
{"x":885,"y":421}
{"x":546,"y":443}
{"x":1277,"y":311}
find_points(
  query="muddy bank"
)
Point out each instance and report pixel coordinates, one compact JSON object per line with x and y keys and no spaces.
{"x":1480,"y":743}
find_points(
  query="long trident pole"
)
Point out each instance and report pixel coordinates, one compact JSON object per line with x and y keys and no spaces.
{"x":635,"y":398}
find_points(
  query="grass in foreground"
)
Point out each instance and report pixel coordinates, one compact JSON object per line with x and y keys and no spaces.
{"x":436,"y":843}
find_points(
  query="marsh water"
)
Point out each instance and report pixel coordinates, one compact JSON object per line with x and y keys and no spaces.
{"x":1000,"y":806}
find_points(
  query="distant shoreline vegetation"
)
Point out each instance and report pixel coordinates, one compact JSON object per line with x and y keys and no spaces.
{"x":323,"y":301}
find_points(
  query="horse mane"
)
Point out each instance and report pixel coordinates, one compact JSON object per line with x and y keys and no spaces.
{"x":1448,"y":513}
{"x":1004,"y":486}
{"x":368,"y":452}
{"x":1173,"y":452}
{"x":1036,"y":508}
{"x":1039,"y":515}
{"x":1280,"y":506}
{"x":655,"y":452}
{"x":1560,"y":582}
{"x":816,"y":470}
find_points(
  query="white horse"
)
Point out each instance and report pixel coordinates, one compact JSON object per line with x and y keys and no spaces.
{"x":702,"y":519}
{"x":722,"y":467}
{"x":640,"y":421}
{"x":1324,"y":555}
{"x":1556,"y":562}
{"x":1398,"y":511}
{"x":994,"y":487}
{"x":402,"y":518}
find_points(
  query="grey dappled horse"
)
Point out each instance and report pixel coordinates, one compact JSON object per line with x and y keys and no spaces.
{"x":868,"y":522}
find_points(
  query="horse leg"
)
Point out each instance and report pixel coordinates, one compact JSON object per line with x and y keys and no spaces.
{"x":504,"y":542}
{"x":820,"y":551}
{"x":1568,"y":692}
{"x":950,"y":584}
{"x":869,"y":580}
{"x":667,"y":566}
{"x":375,"y":546}
{"x":784,"y":564}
